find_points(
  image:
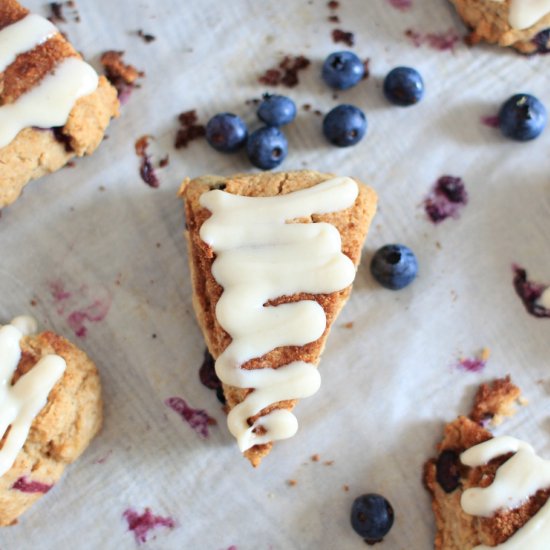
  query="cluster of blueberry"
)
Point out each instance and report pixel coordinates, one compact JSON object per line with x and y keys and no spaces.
{"x":343,"y":126}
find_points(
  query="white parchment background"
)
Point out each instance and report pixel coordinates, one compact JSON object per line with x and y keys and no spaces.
{"x":389,"y":382}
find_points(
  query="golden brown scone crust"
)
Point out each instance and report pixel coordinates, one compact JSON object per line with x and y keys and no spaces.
{"x":352,"y":224}
{"x":61,"y":431}
{"x":457,"y":530}
{"x":35,"y":152}
{"x":488,"y":21}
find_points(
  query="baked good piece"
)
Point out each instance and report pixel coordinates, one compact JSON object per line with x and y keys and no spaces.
{"x":352,"y":223}
{"x":521,"y":24}
{"x":454,"y":479}
{"x":38,"y":56}
{"x":59,"y":433}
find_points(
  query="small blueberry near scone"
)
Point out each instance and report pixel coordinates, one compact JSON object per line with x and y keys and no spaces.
{"x":267,"y":147}
{"x":226,"y":132}
{"x":276,"y":110}
{"x":403,"y":86}
{"x":371,"y":517}
{"x":522,"y":117}
{"x":394,"y":266}
{"x":342,"y":70}
{"x":345,"y":125}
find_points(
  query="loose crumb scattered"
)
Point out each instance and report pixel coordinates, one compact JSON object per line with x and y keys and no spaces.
{"x":348,"y":325}
{"x":147,"y":38}
{"x":346,"y":37}
{"x":328,"y":462}
{"x":345,"y":488}
{"x":190,"y":129}
{"x":315,"y":458}
{"x":292,"y":483}
{"x":286,"y":72}
{"x":121,"y":75}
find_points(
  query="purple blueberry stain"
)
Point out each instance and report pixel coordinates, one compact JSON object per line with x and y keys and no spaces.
{"x":80,"y":307}
{"x":530,"y":293}
{"x":198,"y":419}
{"x":401,"y":5}
{"x":440,"y":41}
{"x":446,"y":199}
{"x":492,"y":121}
{"x":142,"y":524}
{"x":26,"y":485}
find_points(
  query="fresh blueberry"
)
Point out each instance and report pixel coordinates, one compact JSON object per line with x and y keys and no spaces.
{"x":267,"y":147}
{"x":345,"y":125}
{"x":371,"y":517}
{"x":394,"y":266}
{"x":403,"y":86}
{"x":342,"y":70}
{"x":522,"y":117}
{"x":226,"y":132}
{"x":276,"y":110}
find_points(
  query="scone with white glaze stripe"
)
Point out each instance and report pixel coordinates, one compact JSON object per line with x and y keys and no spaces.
{"x":50,"y":403}
{"x":266,"y":290}
{"x":488,"y":492}
{"x":521,"y":24}
{"x":53,"y":105}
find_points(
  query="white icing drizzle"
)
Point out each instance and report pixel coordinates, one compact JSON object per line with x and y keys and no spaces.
{"x":519,"y":478}
{"x":50,"y":102}
{"x":23,"y":36}
{"x":259,"y":258}
{"x":544,"y":300}
{"x":524,"y":13}
{"x":21,"y":403}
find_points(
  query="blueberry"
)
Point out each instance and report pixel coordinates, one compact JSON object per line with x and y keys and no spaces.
{"x":342,"y":70}
{"x":522,"y":117}
{"x":267,"y":147}
{"x":345,"y":125}
{"x":226,"y":132}
{"x":394,"y":266}
{"x":403,"y":86}
{"x":276,"y":110}
{"x":371,"y":517}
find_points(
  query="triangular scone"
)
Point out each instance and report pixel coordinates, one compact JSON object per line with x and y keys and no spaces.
{"x":447,"y":477}
{"x":33,"y":53}
{"x":352,"y":223}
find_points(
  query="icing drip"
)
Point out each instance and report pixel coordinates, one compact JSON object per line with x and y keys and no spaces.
{"x":22,"y":402}
{"x":520,"y":477}
{"x":23,"y":36}
{"x":260,"y":257}
{"x":50,"y":102}
{"x":524,"y":13}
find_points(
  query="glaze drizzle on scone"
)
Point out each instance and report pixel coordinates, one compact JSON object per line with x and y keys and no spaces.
{"x":50,"y":102}
{"x":520,"y":477}
{"x":259,"y":258}
{"x":524,"y":13}
{"x":21,"y":402}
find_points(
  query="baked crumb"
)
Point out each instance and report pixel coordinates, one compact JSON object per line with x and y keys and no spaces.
{"x":348,"y":38}
{"x":495,"y":401}
{"x":286,"y":73}
{"x":147,"y":38}
{"x":328,"y":462}
{"x":292,"y":483}
{"x":315,"y":458}
{"x":121,"y":75}
{"x":190,"y":129}
{"x":345,"y":488}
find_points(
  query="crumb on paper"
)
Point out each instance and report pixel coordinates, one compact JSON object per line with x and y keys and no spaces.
{"x":346,"y":37}
{"x":286,"y":72}
{"x":345,"y":488}
{"x":121,"y":75}
{"x":292,"y":483}
{"x":315,"y":458}
{"x":441,"y":41}
{"x":190,"y":129}
{"x":494,"y":401}
{"x":328,"y":462}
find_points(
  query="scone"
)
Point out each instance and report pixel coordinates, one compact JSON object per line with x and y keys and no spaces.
{"x":50,"y":409}
{"x":522,"y":24}
{"x":53,"y":105}
{"x":272,"y":259}
{"x":488,"y":490}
